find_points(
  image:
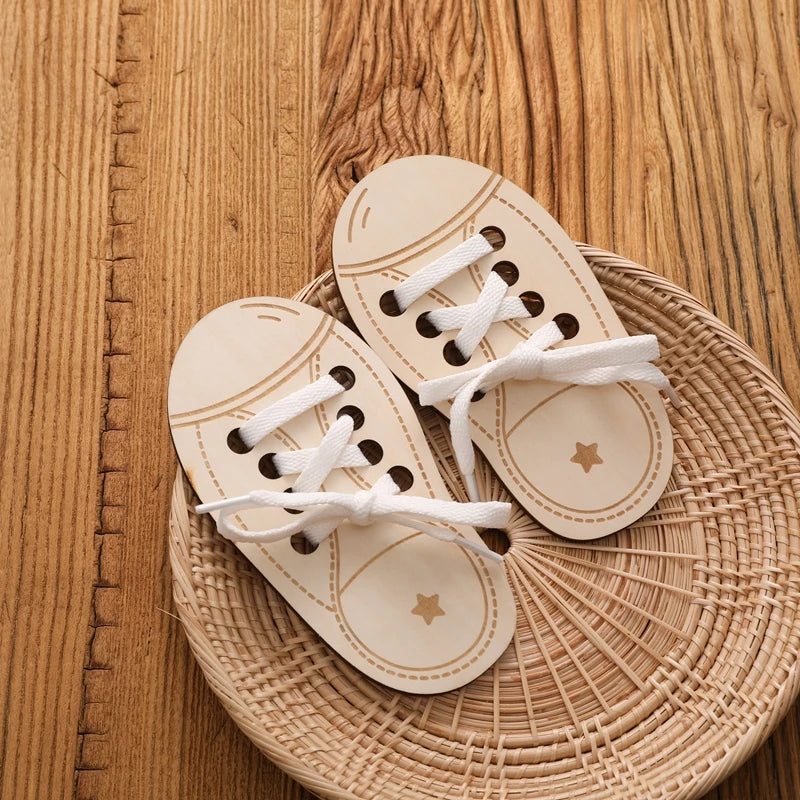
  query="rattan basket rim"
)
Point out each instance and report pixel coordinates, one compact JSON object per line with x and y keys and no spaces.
{"x":227,"y":620}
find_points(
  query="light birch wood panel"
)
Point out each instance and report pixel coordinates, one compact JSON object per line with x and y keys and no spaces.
{"x":159,"y":159}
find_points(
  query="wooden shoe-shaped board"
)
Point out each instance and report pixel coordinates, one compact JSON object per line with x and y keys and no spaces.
{"x":583,"y":461}
{"x":412,"y":612}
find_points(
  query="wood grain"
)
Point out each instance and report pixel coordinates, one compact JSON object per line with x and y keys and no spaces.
{"x":159,"y":159}
{"x":54,"y":152}
{"x":209,"y":202}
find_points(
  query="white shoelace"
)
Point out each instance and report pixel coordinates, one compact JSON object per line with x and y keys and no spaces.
{"x":325,"y":511}
{"x":594,"y":364}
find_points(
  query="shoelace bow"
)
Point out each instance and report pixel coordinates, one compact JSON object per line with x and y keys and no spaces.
{"x":325,"y":511}
{"x":595,"y":364}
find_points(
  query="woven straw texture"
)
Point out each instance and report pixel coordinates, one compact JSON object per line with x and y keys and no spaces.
{"x":648,"y":664}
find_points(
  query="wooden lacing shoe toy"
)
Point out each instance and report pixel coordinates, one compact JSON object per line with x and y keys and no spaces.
{"x":479,"y":301}
{"x":307,"y":452}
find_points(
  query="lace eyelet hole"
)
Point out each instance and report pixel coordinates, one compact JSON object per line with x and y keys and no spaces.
{"x":292,"y":510}
{"x":354,"y":412}
{"x":402,"y":477}
{"x":426,"y":328}
{"x":452,"y":355}
{"x":567,"y":324}
{"x":267,"y":466}
{"x":479,"y":395}
{"x":507,"y":271}
{"x":494,"y":236}
{"x":236,"y":443}
{"x":371,"y":450}
{"x":300,"y":544}
{"x":388,"y":304}
{"x":496,"y":540}
{"x":343,"y":375}
{"x":533,"y":302}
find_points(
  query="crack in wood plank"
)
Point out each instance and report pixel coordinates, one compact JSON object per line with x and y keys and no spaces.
{"x":93,"y":745}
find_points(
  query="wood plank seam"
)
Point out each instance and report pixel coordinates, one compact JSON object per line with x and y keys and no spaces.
{"x":93,"y":743}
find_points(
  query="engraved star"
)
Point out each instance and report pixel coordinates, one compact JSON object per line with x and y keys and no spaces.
{"x":586,"y":455}
{"x":428,"y":608}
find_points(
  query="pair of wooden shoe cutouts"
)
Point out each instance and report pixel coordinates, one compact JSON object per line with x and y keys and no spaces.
{"x":297,"y":436}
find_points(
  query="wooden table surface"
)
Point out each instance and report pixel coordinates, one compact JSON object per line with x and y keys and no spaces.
{"x":159,"y":159}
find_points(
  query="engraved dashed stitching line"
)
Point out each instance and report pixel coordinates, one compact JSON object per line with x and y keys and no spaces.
{"x":335,"y":598}
{"x":398,"y":415}
{"x":374,"y":321}
{"x":561,"y":258}
{"x":206,"y":462}
{"x":334,"y":609}
{"x":455,"y":670}
{"x":450,"y":223}
{"x":285,"y":439}
{"x":479,"y":636}
{"x":267,"y":385}
{"x":630,"y":506}
{"x":290,"y":443}
{"x":210,"y":470}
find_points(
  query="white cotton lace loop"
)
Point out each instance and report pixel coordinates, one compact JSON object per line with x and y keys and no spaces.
{"x":456,"y":317}
{"x":594,"y":364}
{"x":468,"y":252}
{"x":295,"y":461}
{"x":486,"y":308}
{"x":325,"y":511}
{"x":289,"y":407}
{"x":327,"y":457}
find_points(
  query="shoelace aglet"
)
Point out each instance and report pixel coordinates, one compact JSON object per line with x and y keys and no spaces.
{"x":220,"y":505}
{"x":673,"y":396}
{"x":446,"y":535}
{"x":481,"y":550}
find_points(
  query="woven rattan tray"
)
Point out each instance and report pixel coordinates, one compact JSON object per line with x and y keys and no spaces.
{"x":648,"y":664}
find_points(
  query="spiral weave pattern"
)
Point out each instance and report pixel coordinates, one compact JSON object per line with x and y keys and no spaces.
{"x":650,"y":663}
